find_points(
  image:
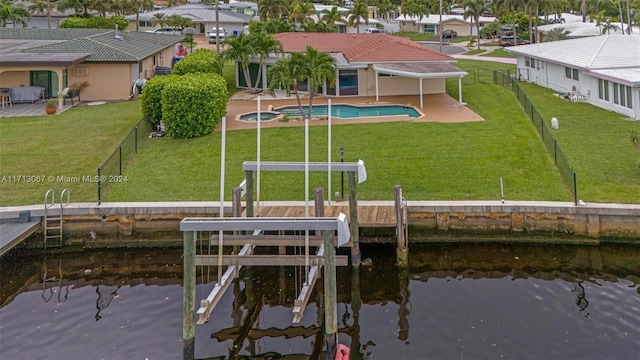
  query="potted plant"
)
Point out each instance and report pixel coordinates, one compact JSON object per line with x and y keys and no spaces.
{"x":51,"y":106}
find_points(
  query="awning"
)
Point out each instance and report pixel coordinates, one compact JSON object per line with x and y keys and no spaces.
{"x":18,"y":59}
{"x":420,"y":70}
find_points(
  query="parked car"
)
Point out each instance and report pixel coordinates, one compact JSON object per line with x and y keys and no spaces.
{"x":449,"y":34}
{"x":373,"y":31}
{"x":166,"y":31}
{"x":222,"y":33}
{"x":509,"y":41}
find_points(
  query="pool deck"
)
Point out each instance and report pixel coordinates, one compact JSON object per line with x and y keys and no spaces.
{"x":437,"y":108}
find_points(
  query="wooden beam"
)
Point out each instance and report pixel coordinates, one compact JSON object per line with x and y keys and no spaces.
{"x":300,"y":303}
{"x":264,"y":260}
{"x":207,"y":305}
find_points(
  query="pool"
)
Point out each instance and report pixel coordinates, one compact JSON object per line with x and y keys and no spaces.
{"x":264,"y":116}
{"x":345,"y":111}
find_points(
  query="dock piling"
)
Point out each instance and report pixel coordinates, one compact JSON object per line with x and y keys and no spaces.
{"x":189,"y":298}
{"x":249,"y":191}
{"x":402,"y":251}
{"x":353,"y":218}
{"x":331,"y":296}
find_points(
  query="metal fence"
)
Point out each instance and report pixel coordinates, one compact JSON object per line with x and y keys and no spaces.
{"x":111,"y":171}
{"x":562,"y":163}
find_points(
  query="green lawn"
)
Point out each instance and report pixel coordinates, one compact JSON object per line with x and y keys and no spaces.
{"x":596,"y":143}
{"x":456,"y":161}
{"x":475,"y":52}
{"x":430,"y":160}
{"x":73,"y":143}
{"x":499,"y":53}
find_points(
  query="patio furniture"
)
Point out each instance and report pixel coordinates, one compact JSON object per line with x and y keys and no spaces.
{"x":5,"y":99}
{"x":70,"y":95}
{"x":26,"y":94}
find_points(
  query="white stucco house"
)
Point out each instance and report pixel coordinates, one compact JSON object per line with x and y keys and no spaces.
{"x":203,"y":17}
{"x":601,"y":70}
{"x":429,"y":24}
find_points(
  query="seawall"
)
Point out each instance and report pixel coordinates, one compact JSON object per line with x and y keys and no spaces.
{"x":427,"y":220}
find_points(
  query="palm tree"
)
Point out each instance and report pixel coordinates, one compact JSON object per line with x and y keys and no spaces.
{"x":42,"y":7}
{"x":272,"y":9}
{"x":332,"y":16}
{"x":508,"y":7}
{"x":159,"y":19}
{"x":141,"y":4}
{"x":285,"y":74}
{"x":263,"y":45}
{"x":474,"y":9}
{"x":240,"y":49}
{"x":556,"y":34}
{"x":321,"y":67}
{"x":313,"y":66}
{"x":357,"y":13}
{"x":385,"y":8}
{"x":600,"y":18}
{"x":177,"y":21}
{"x":301,"y":11}
{"x":79,"y":7}
{"x":609,"y":25}
{"x":9,"y":12}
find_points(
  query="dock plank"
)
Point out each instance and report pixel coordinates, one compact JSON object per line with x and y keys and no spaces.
{"x":11,"y":234}
{"x":368,"y":216}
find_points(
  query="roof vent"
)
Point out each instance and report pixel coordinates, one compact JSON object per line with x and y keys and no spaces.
{"x":116,"y":36}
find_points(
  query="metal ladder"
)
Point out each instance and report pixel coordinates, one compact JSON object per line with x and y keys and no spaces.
{"x":53,"y":223}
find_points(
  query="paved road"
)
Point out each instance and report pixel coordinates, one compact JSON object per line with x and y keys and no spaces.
{"x":457,"y":50}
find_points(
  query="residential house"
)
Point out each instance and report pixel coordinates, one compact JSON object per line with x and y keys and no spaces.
{"x":601,"y":70}
{"x":578,"y":29}
{"x":431,"y":23}
{"x":110,"y":61}
{"x":203,"y":17}
{"x":369,"y":64}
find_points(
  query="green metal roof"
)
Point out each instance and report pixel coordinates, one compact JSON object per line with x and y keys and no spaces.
{"x":103,"y":45}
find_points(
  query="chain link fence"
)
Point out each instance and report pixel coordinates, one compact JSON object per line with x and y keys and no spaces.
{"x":111,"y":170}
{"x":569,"y":176}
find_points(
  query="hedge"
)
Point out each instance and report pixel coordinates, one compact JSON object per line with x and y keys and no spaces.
{"x":152,"y":98}
{"x":192,"y":104}
{"x":199,"y":61}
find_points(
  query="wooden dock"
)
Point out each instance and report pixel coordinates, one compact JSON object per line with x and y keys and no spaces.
{"x":11,"y":234}
{"x":368,"y":216}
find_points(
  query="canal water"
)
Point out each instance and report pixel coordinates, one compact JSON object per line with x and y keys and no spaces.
{"x":459,"y":301}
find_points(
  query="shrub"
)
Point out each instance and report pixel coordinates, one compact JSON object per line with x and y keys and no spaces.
{"x":192,"y":104}
{"x":152,"y":98}
{"x":95,"y":22}
{"x":199,"y":61}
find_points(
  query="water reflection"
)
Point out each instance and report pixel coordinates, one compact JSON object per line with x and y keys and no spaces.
{"x":105,"y":296}
{"x":380,"y":308}
{"x":581,"y":298}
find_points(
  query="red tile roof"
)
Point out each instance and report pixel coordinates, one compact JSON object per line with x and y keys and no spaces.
{"x":367,"y":48}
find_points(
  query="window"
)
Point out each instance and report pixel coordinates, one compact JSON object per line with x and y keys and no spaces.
{"x":570,"y":73}
{"x":348,"y":82}
{"x":527,"y":62}
{"x":603,"y":90}
{"x":622,"y":95}
{"x":533,"y":63}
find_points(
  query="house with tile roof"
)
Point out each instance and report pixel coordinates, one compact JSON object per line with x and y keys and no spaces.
{"x":601,"y":70}
{"x":370,"y":64}
{"x":203,"y":17}
{"x":110,"y":61}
